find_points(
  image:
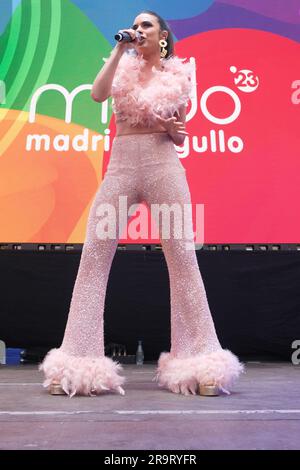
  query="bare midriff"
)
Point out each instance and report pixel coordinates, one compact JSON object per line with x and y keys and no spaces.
{"x":123,"y":128}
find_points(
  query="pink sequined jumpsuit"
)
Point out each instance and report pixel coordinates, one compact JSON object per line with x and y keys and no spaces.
{"x":142,"y":167}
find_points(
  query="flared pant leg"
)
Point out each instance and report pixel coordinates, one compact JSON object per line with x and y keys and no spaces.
{"x":80,"y":365}
{"x":144,"y":168}
{"x":196,"y":356}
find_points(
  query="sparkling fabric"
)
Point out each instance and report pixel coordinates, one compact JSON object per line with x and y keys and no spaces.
{"x":144,"y":167}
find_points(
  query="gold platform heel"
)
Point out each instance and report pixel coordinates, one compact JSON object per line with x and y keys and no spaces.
{"x":56,"y":389}
{"x":209,"y":390}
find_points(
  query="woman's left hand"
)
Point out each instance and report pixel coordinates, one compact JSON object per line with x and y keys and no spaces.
{"x":172,"y":125}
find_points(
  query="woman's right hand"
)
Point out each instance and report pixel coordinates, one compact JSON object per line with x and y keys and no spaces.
{"x":123,"y":45}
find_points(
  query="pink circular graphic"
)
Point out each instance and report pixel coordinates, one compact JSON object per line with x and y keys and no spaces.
{"x":246,"y":172}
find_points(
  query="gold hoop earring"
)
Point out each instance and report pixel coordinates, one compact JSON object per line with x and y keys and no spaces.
{"x":163,"y":51}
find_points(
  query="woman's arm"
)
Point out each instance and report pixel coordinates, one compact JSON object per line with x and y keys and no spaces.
{"x":175,"y":125}
{"x":101,"y":89}
{"x":178,"y":138}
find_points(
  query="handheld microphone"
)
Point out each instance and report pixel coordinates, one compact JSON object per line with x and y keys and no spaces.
{"x":125,"y":37}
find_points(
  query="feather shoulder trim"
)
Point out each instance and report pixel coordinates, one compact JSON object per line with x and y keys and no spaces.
{"x":167,"y":89}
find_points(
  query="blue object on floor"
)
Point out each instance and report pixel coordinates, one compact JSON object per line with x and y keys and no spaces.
{"x":13,"y":356}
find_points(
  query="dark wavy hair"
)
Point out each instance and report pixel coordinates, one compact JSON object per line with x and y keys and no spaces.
{"x":163,"y":26}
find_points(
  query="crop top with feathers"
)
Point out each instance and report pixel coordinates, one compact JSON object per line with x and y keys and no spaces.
{"x":167,"y":90}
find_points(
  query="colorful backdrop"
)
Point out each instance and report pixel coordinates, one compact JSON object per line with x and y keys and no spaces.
{"x":242,"y":152}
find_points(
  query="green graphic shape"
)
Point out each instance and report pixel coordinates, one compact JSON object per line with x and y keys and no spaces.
{"x":53,"y":42}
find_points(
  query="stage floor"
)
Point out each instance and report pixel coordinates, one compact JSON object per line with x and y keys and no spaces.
{"x":263,"y":412}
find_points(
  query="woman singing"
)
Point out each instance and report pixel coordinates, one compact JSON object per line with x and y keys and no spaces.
{"x":150,"y":87}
